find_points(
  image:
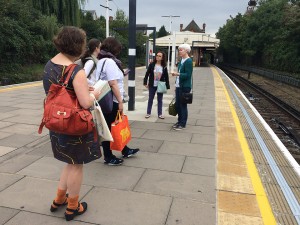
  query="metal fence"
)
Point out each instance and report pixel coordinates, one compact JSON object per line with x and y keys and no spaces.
{"x":284,"y":78}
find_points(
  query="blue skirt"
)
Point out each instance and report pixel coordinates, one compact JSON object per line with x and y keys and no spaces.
{"x":75,"y":149}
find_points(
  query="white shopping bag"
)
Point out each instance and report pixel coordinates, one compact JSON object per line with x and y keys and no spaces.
{"x":100,"y":123}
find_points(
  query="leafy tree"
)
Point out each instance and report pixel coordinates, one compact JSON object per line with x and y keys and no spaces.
{"x":162,"y":32}
{"x":267,"y":37}
{"x":66,"y":11}
{"x":93,"y":28}
{"x":28,"y":26}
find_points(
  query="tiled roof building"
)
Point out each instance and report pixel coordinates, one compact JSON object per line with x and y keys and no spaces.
{"x":193,"y":27}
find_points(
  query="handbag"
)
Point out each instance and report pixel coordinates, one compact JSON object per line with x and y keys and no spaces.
{"x":106,"y":103}
{"x":120,"y":132}
{"x":172,"y":107}
{"x":106,"y":97}
{"x":100,"y":123}
{"x":161,"y":87}
{"x":186,"y":98}
{"x":62,"y":111}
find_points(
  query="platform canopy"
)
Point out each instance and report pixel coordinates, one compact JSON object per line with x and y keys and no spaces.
{"x":191,"y":38}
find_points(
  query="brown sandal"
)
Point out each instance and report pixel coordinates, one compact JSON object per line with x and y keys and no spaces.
{"x":75,"y":212}
{"x":53,"y":208}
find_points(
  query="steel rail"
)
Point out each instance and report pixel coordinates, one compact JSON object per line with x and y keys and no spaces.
{"x":284,"y":106}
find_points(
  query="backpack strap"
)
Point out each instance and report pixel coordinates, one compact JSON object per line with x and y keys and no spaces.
{"x":94,"y":67}
{"x":102,"y":68}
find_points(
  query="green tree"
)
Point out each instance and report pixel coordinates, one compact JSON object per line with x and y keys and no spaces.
{"x":66,"y":11}
{"x":161,"y":32}
{"x":93,"y":28}
{"x":268,"y":37}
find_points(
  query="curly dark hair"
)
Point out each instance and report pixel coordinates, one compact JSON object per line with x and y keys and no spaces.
{"x":163,"y":59}
{"x":111,"y":45}
{"x":70,"y":40}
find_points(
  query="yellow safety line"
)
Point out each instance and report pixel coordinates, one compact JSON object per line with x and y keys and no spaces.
{"x":263,"y":202}
{"x":20,"y":87}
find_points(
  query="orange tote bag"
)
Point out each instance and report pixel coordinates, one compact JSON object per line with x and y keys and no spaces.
{"x":120,"y":132}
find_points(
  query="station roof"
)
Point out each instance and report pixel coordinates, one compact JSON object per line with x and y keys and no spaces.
{"x":191,"y":38}
{"x":194,"y":27}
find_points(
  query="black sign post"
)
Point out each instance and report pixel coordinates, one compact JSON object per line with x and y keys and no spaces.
{"x":132,"y":54}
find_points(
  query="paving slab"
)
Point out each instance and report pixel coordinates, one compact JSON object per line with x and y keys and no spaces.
{"x":117,"y":177}
{"x":32,"y":112}
{"x":200,"y":166}
{"x":28,"y":119}
{"x":151,"y":126}
{"x":30,"y":105}
{"x":18,"y":140}
{"x":5,"y":124}
{"x":146,"y":145}
{"x":187,"y":212}
{"x":201,"y":130}
{"x":4,"y":135}
{"x":46,"y":167}
{"x":200,"y":116}
{"x":7,"y":214}
{"x":168,"y":136}
{"x":7,"y":104}
{"x":205,"y":123}
{"x":4,"y":150}
{"x":136,"y":132}
{"x":178,"y":185}
{"x":34,"y":195}
{"x":17,"y":163}
{"x":8,"y":179}
{"x":43,"y":150}
{"x":28,"y":218}
{"x":204,"y":139}
{"x":117,"y":207}
{"x":188,"y":149}
{"x":20,"y":129}
{"x":157,"y":161}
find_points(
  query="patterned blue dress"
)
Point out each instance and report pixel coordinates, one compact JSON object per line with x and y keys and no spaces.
{"x":69,"y":148}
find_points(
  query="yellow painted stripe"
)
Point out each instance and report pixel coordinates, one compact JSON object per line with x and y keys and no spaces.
{"x":262,"y":200}
{"x":21,"y":87}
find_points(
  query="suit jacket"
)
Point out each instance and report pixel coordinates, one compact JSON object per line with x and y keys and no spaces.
{"x":150,"y":74}
{"x":185,"y":70}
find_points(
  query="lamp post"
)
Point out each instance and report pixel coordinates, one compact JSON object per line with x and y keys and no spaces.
{"x":107,"y":17}
{"x":170,"y":16}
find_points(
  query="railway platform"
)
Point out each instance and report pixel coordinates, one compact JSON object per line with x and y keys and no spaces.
{"x":227,"y":167}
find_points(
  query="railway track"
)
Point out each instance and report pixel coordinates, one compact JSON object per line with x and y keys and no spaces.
{"x":279,"y":112}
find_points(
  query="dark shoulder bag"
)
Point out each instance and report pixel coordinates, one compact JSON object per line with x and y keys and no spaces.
{"x":187,"y":97}
{"x":106,"y":103}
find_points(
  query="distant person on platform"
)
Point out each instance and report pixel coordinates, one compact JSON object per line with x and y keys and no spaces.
{"x":157,"y":71}
{"x":183,"y":84}
{"x":114,"y":74}
{"x":89,"y":60}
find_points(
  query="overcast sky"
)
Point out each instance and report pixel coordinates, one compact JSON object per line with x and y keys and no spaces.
{"x":212,"y":12}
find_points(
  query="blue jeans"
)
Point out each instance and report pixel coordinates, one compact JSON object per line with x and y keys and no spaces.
{"x":152,"y":91}
{"x":181,"y":107}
